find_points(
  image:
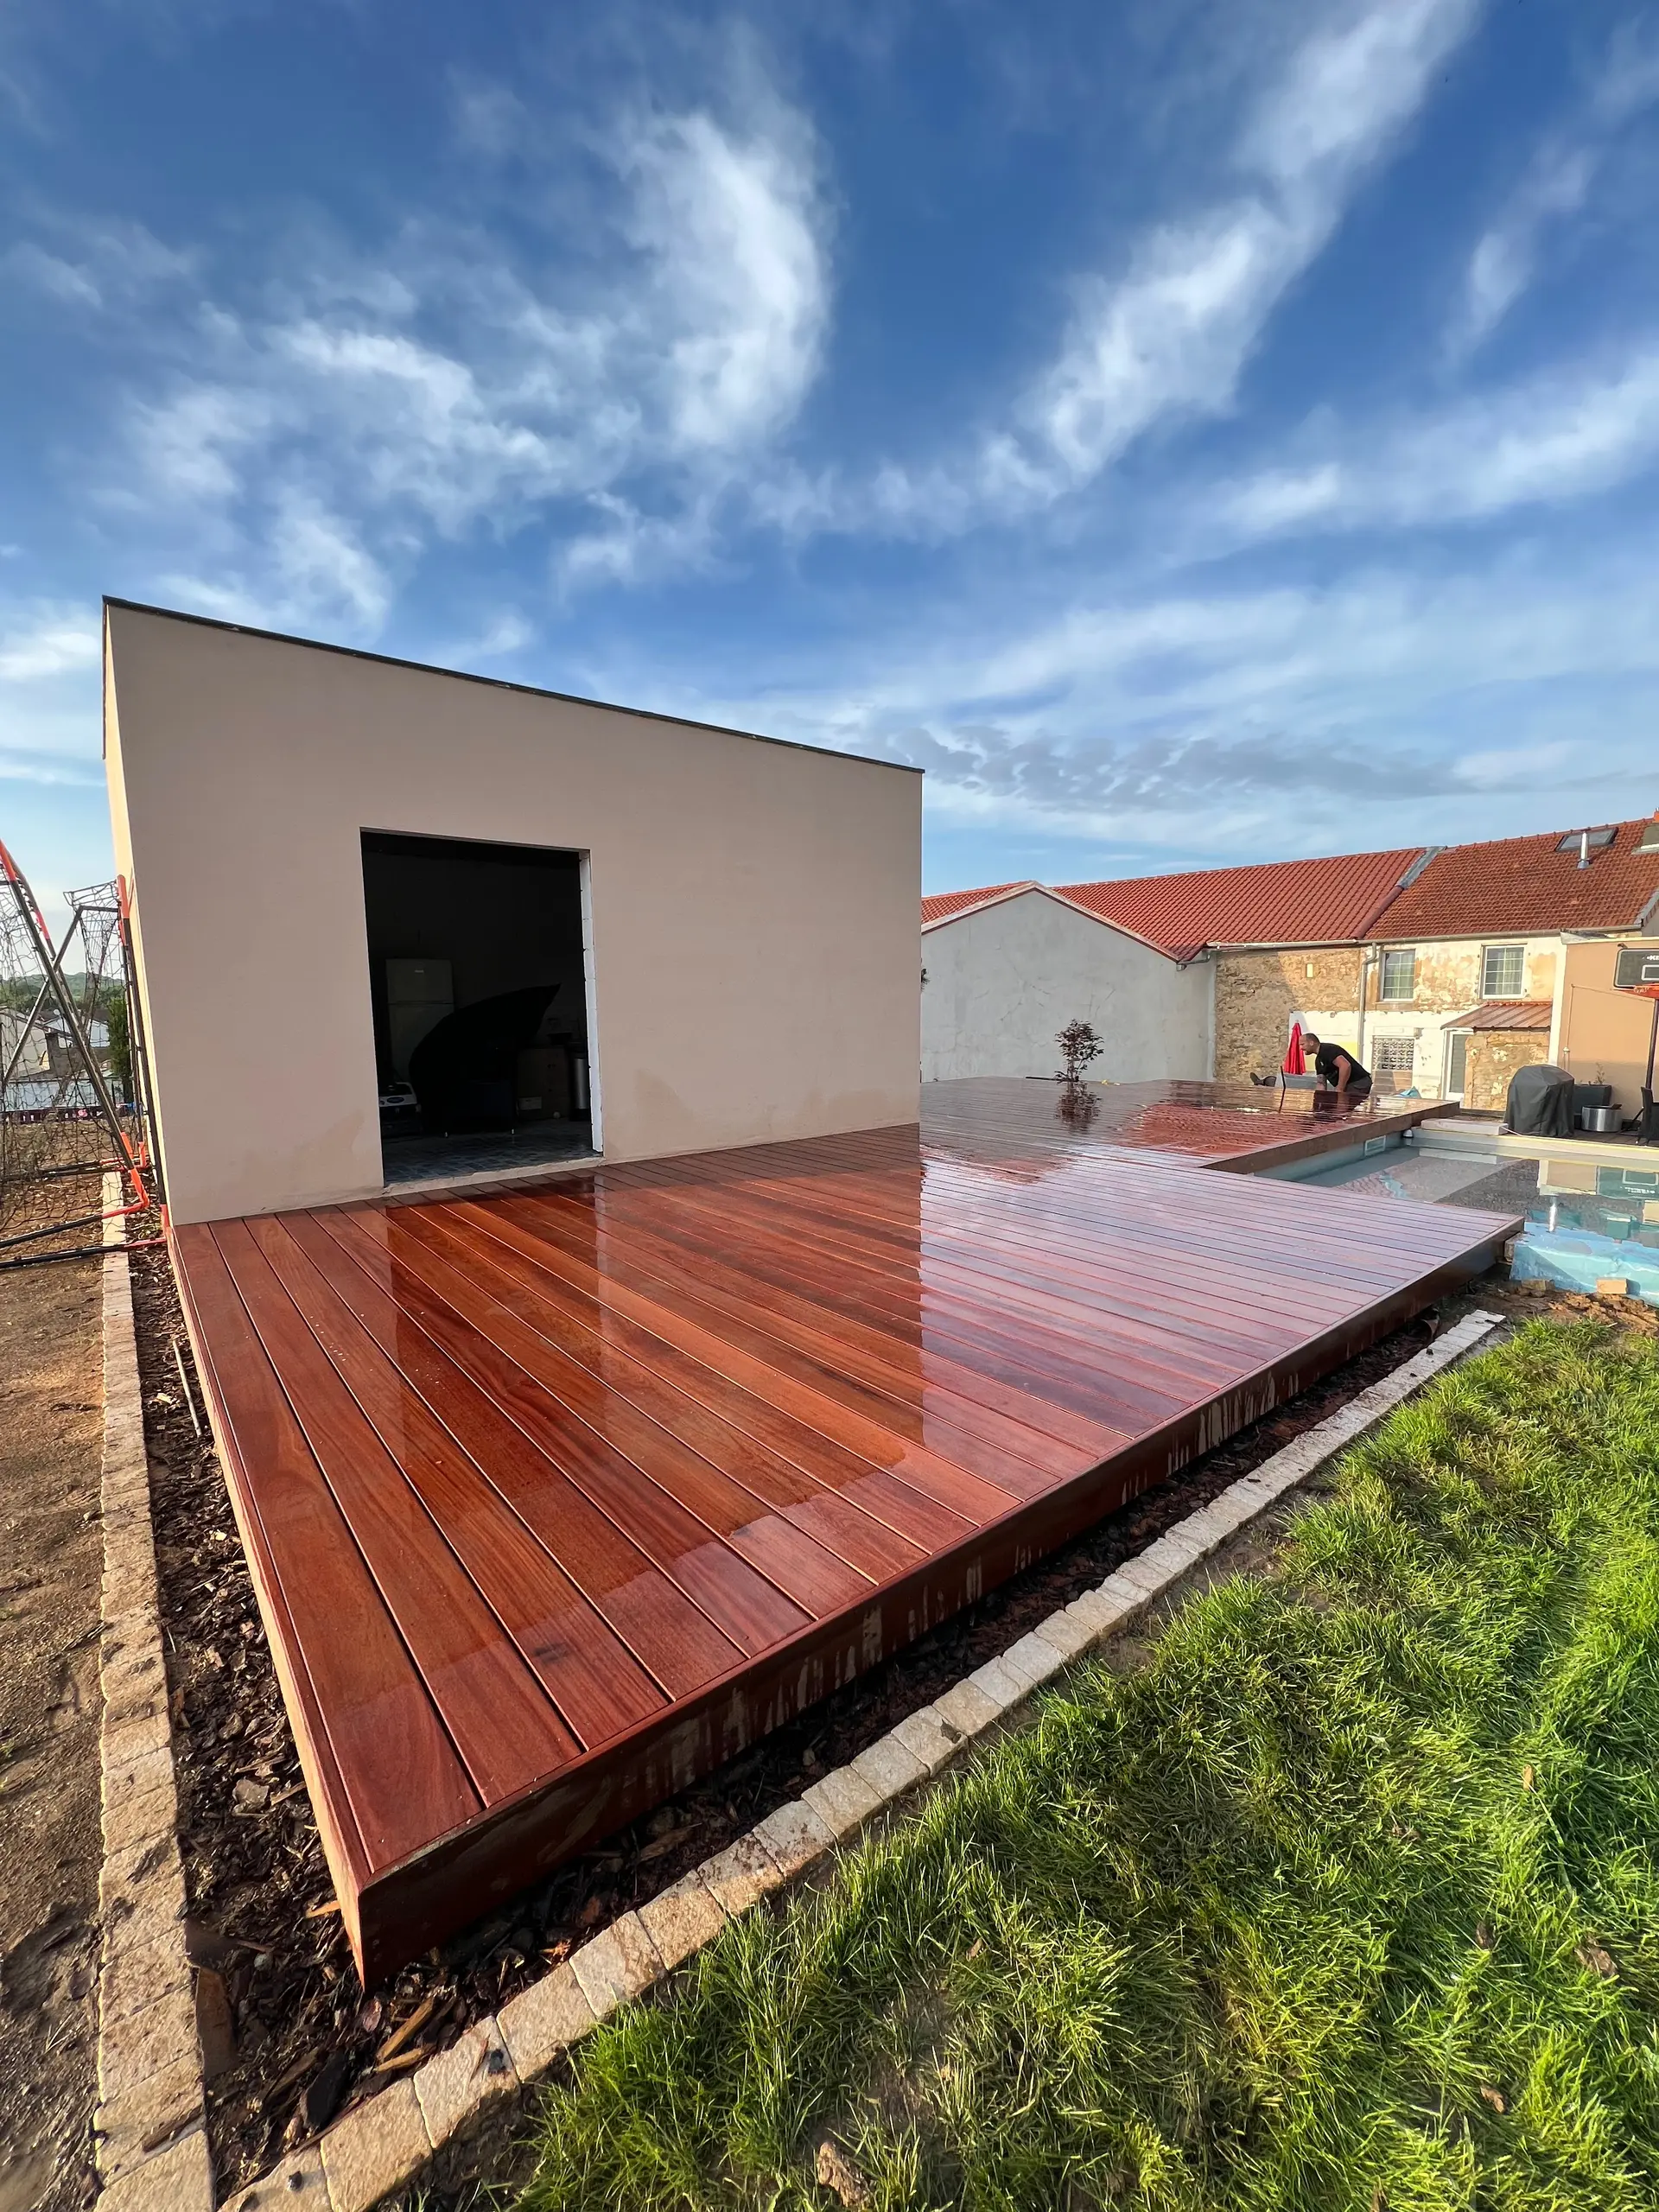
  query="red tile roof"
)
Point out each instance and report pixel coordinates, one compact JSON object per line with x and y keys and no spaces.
{"x":1275,"y":902}
{"x":1517,"y":884}
{"x":944,"y":904}
{"x":1505,"y":1013}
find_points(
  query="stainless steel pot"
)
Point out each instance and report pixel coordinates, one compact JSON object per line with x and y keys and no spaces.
{"x":1599,"y":1119}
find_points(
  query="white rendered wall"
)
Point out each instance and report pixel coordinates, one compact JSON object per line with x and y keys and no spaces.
{"x":752,"y":906}
{"x":1003,"y":980}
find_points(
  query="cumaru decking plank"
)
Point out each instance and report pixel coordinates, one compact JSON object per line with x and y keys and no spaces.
{"x":585,"y":1667}
{"x":402,"y":1777}
{"x":873,"y":1548}
{"x":879,"y":1440}
{"x":753,"y":1315}
{"x":908,"y":1511}
{"x":497,"y":1714}
{"x":670,"y":1636}
{"x":801,"y":1567}
{"x":751,"y":1611}
{"x":557,"y":1495}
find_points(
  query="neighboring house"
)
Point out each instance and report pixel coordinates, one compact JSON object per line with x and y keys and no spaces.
{"x":42,"y":1045}
{"x":1284,"y":938}
{"x":1444,"y":970}
{"x":11,"y":1034}
{"x":1005,"y":969}
{"x":1500,"y":954}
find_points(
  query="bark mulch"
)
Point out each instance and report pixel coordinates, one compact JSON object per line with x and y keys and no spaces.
{"x":305,"y":2040}
{"x":51,"y":1841}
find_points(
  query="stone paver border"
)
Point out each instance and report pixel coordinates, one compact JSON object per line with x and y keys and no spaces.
{"x":456,"y":2116}
{"x":150,"y":2126}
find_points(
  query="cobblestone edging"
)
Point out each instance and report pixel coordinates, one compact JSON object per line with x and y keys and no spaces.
{"x":149,"y":2129}
{"x":456,"y":2115}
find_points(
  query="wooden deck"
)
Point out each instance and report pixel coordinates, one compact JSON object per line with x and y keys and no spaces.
{"x":557,"y":1498}
{"x":1233,"y":1127}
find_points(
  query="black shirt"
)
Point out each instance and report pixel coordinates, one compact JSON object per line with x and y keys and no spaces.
{"x":1325,"y":1065}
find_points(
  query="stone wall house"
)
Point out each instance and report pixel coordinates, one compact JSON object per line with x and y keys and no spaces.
{"x":1285,"y":938}
{"x":1468,"y":962}
{"x":1442,"y":969}
{"x":1492,"y":959}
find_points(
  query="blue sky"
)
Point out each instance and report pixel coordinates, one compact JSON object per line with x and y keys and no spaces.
{"x":1191,"y":429}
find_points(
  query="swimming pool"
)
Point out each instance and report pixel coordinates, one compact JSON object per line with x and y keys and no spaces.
{"x":1585,"y":1223}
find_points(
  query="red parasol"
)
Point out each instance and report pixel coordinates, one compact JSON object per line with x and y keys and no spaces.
{"x":1294,"y":1063}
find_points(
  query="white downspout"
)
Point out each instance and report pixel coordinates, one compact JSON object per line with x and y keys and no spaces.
{"x":1369,"y":954}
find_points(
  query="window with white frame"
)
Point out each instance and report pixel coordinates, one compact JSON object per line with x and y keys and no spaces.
{"x":1399,"y":973}
{"x":1502,"y":971}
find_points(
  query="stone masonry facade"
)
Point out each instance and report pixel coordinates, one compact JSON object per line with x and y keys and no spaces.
{"x":1493,"y":1056}
{"x":1256,"y":993}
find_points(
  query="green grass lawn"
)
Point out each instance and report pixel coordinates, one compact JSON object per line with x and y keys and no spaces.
{"x":1347,"y":1898}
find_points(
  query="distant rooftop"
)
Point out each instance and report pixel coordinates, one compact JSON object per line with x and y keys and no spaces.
{"x":1333,"y":901}
{"x":1512,"y":885}
{"x":1503,"y":888}
{"x":944,"y":903}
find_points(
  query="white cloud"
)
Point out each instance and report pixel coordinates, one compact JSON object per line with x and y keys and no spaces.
{"x":508,"y":632}
{"x":24,"y":765}
{"x":317,"y":435}
{"x":45,"y":640}
{"x":1555,"y":185}
{"x":1555,"y":437}
{"x":1501,"y":266}
{"x":192,"y":446}
{"x":1170,"y":336}
{"x":733,"y":227}
{"x":96,"y":265}
{"x":1258,"y":720}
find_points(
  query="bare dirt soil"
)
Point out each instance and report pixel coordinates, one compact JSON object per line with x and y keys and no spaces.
{"x":51,"y":1845}
{"x":307,"y":2041}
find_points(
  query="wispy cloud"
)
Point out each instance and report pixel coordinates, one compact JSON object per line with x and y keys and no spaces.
{"x":26,"y":765}
{"x":327,"y":428}
{"x":1171,"y":336}
{"x":1554,"y":186}
{"x":94,"y":266}
{"x":1264,"y":716}
{"x":43,"y":639}
{"x":1560,"y":435}
{"x":1168,"y":337}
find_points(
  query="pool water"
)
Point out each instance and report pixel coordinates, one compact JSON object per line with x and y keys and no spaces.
{"x":1584,"y":1223}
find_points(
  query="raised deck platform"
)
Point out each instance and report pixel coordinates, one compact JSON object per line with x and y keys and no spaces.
{"x":1234,"y":1127}
{"x":555,"y":1499}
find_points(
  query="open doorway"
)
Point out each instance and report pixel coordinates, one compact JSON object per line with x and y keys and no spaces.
{"x":479,"y":984}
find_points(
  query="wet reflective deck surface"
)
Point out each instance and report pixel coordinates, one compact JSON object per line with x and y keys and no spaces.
{"x":558,"y":1496}
{"x":1232,"y":1126}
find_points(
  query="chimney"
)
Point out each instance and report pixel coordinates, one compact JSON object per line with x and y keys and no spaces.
{"x":1584,"y":848}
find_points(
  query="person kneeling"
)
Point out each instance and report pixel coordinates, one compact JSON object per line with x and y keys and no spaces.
{"x":1337,"y":1068}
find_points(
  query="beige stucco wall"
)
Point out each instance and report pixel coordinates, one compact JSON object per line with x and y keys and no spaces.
{"x":753,"y":921}
{"x":1605,"y":1032}
{"x":1003,"y":980}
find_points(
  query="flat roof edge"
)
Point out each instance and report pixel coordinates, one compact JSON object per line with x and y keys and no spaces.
{"x":500,"y":683}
